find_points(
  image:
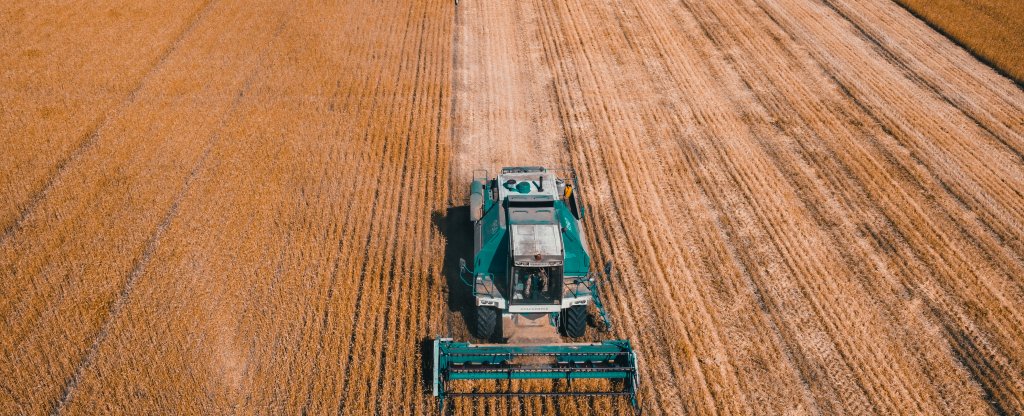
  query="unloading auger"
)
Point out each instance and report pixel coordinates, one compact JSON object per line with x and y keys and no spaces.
{"x":531,"y":268}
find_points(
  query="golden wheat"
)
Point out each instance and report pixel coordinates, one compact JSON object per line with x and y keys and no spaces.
{"x":230,"y":206}
{"x":989,"y":28}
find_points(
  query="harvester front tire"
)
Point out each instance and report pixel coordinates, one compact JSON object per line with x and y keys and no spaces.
{"x":574,"y":321}
{"x":486,"y":320}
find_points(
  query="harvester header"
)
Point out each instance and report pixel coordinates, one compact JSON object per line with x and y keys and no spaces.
{"x":531,"y":282}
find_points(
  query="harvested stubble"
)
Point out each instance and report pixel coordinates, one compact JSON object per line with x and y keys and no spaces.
{"x":813,"y":206}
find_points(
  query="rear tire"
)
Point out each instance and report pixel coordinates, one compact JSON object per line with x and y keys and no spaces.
{"x":486,"y":319}
{"x":574,"y":321}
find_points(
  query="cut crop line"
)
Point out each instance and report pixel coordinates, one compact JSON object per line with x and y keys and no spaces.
{"x":93,"y":135}
{"x":336,"y":266}
{"x":962,"y":45}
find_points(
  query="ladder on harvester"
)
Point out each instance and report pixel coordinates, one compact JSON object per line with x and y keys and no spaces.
{"x":594,"y":288}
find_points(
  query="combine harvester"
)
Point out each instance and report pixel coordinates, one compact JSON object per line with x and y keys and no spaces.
{"x":531,"y":268}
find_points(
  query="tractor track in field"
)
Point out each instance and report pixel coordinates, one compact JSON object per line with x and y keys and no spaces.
{"x":93,"y":135}
{"x":151,"y":244}
{"x":122,"y":299}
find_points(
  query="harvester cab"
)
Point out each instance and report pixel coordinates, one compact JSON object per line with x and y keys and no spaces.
{"x":531,"y":282}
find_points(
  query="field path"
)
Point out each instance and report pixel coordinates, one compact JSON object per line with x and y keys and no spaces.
{"x":503,"y":112}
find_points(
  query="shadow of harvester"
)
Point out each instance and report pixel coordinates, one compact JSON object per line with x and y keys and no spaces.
{"x":457,"y":230}
{"x":454,"y":225}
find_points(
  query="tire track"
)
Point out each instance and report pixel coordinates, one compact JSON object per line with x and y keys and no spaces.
{"x":152,"y":242}
{"x":140,"y":267}
{"x":90,"y":138}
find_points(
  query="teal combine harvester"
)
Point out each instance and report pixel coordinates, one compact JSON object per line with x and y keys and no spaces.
{"x":531,"y":270}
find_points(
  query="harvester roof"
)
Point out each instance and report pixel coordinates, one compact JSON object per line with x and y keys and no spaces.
{"x":530,"y":194}
{"x":527,"y":182}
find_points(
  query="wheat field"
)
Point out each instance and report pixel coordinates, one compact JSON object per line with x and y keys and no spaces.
{"x":225,"y":206}
{"x":989,"y":28}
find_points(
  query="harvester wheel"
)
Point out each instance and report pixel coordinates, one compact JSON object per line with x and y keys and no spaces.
{"x":486,"y":318}
{"x":574,"y":321}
